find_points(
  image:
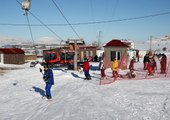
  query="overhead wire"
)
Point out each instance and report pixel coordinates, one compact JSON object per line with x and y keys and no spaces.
{"x":125,"y":19}
{"x":112,"y":7}
{"x":31,"y":33}
{"x":65,"y":18}
{"x":92,"y":15}
{"x":88,"y":23}
{"x":43,"y":24}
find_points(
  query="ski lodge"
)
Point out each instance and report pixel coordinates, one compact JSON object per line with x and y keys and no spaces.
{"x":12,"y":56}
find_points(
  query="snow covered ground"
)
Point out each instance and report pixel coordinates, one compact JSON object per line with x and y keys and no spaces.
{"x":74,"y":98}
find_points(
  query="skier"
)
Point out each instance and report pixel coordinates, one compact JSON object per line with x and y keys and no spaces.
{"x":137,"y":55}
{"x":49,"y":80}
{"x":149,"y":66}
{"x":102,"y":69}
{"x":86,"y":68}
{"x":153,"y":64}
{"x":131,"y":65}
{"x":129,"y":75}
{"x":163,"y":63}
{"x":145,"y":61}
{"x":114,"y":68}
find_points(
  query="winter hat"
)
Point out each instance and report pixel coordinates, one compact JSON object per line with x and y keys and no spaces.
{"x":46,"y":66}
{"x":85,"y":59}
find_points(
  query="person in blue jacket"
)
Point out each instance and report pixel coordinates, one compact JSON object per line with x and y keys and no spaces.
{"x":49,"y":80}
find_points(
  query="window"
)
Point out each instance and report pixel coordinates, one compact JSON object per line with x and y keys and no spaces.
{"x":87,"y":53}
{"x":91,"y":53}
{"x":115,"y":54}
{"x":118,"y":55}
{"x":50,"y":56}
{"x":69,"y":56}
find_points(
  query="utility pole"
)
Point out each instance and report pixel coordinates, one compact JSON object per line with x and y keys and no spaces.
{"x":150,"y":42}
{"x":75,"y":55}
{"x":74,"y":46}
{"x":99,"y":39}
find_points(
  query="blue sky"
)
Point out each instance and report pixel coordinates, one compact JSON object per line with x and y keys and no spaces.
{"x":86,"y":11}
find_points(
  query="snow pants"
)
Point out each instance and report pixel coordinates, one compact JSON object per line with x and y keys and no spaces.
{"x":86,"y":73}
{"x":103,"y":73}
{"x":163,"y":68}
{"x":150,"y":70}
{"x":145,"y":65}
{"x":48,"y":90}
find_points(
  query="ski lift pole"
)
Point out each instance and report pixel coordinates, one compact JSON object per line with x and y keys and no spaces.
{"x":75,"y":55}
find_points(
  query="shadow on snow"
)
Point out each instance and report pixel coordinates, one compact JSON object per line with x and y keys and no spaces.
{"x":39,"y":90}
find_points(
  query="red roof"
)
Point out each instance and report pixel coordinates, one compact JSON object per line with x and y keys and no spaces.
{"x":11,"y":51}
{"x":116,"y":43}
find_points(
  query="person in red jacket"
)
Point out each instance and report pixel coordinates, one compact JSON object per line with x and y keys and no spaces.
{"x":86,"y":68}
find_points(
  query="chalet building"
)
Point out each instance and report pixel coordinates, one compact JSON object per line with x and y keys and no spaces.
{"x":115,"y":49}
{"x":86,"y":51}
{"x":12,"y":56}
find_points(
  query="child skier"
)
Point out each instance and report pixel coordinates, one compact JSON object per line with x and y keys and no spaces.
{"x":49,"y":80}
{"x":149,"y":66}
{"x":114,"y":67}
{"x":102,"y":69}
{"x":130,"y":75}
{"x":86,"y":68}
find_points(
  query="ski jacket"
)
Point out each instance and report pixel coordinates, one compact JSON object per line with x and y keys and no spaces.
{"x":114,"y":65}
{"x":146,"y":59}
{"x":48,"y":75}
{"x":163,"y":61}
{"x":86,"y":66}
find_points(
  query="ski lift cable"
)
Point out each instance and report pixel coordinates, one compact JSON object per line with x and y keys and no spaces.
{"x":96,"y":22}
{"x":43,"y":24}
{"x":65,"y":18}
{"x":26,"y":6}
{"x":31,"y":34}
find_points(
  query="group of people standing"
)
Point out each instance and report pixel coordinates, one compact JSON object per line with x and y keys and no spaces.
{"x":115,"y":67}
{"x":149,"y":63}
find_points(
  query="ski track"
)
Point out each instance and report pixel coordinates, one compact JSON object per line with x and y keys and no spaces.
{"x":39,"y":110}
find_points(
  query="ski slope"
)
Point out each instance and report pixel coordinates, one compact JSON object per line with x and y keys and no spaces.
{"x":74,"y":98}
